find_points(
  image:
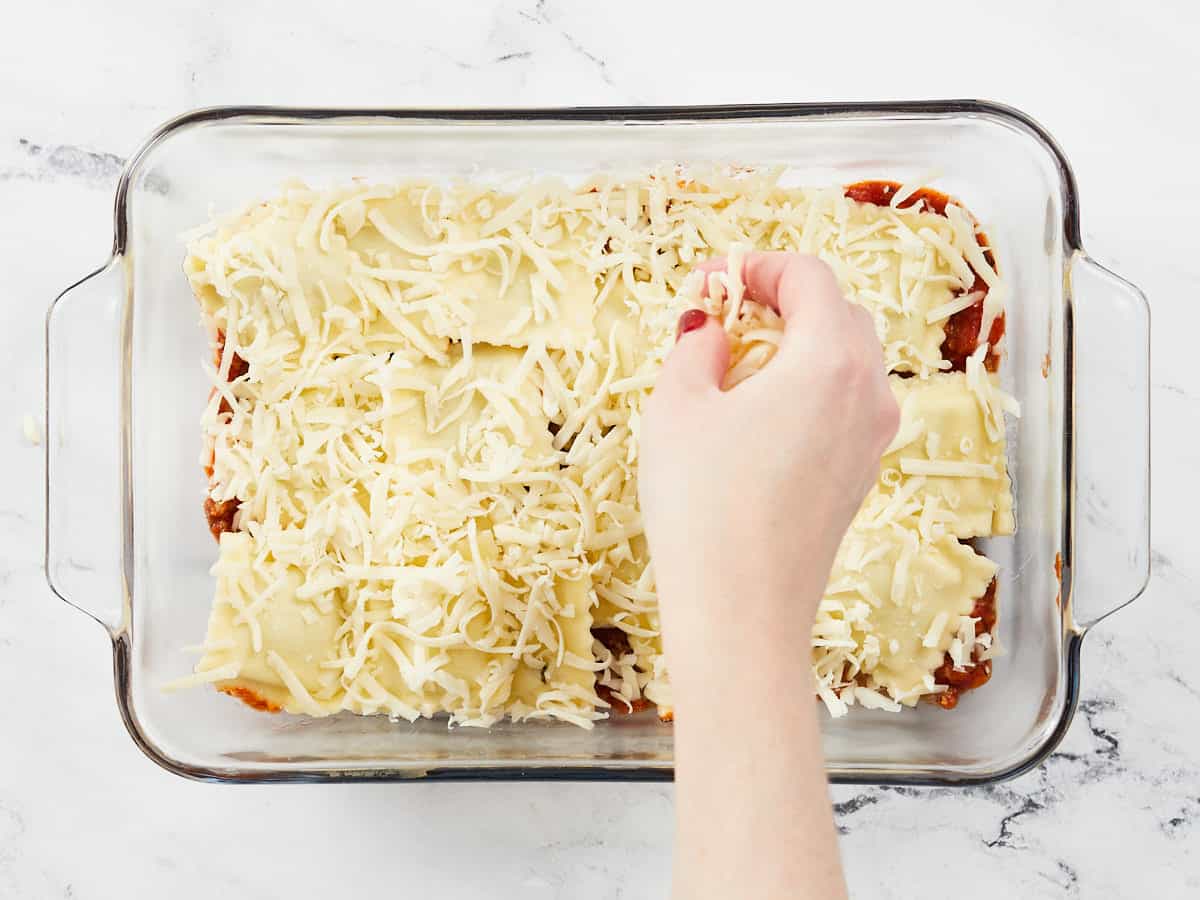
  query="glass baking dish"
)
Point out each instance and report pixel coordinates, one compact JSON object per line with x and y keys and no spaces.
{"x":126,"y":540}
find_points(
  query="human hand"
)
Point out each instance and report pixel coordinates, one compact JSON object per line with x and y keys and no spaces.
{"x":747,"y":493}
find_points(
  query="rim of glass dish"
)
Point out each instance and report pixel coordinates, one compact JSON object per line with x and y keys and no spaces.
{"x":278,"y":115}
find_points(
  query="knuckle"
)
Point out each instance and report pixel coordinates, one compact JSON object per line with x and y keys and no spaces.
{"x":864,"y":318}
{"x":813,"y":272}
{"x":656,"y":407}
{"x":887,"y":417}
{"x":841,"y":368}
{"x":813,"y":266}
{"x":804,"y":274}
{"x":851,"y":366}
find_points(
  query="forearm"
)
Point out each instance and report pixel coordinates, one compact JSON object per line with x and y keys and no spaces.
{"x":753,"y":816}
{"x":746,"y":492}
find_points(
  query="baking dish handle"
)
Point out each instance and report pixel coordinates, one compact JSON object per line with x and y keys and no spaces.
{"x":84,"y":509}
{"x":1110,"y":323}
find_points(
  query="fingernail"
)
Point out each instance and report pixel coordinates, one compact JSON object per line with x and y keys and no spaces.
{"x":690,"y":321}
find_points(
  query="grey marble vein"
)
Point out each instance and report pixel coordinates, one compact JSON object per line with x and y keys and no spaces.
{"x":1004,"y":837}
{"x":844,"y":809}
{"x":1175,"y":389}
{"x":542,"y":15}
{"x":502,"y":59}
{"x":46,"y":162}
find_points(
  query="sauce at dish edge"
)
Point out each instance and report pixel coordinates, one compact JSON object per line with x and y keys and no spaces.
{"x":962,"y":328}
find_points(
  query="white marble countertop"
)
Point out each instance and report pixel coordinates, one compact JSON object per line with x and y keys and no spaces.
{"x":1115,"y":813}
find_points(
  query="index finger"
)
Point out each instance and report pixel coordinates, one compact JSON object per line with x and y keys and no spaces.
{"x":785,"y":281}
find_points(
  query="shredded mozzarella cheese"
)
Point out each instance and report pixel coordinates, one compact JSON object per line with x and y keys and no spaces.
{"x":433,"y":446}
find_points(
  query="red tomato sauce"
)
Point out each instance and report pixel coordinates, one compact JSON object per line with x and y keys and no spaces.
{"x":977,"y":673}
{"x":962,"y":328}
{"x":219,"y":515}
{"x":251,"y":699}
{"x":617,"y":643}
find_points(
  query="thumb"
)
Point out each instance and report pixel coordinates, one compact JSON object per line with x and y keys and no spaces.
{"x":700,"y":356}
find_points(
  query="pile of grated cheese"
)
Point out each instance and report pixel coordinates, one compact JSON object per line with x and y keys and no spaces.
{"x":433,"y":448}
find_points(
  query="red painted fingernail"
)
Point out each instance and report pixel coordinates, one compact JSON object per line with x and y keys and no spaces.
{"x":690,"y":321}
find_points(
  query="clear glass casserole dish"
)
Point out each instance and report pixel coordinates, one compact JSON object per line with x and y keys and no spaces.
{"x":127,"y":543}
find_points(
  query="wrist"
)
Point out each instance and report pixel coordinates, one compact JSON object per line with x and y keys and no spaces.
{"x":752,"y":647}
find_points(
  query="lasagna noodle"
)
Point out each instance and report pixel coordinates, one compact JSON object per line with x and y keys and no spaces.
{"x":943,"y":451}
{"x":430,"y":434}
{"x":894,"y":605}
